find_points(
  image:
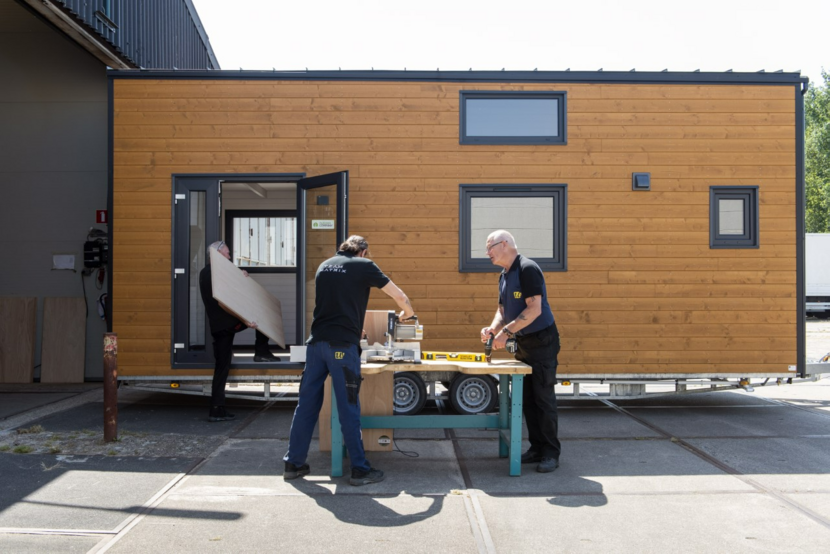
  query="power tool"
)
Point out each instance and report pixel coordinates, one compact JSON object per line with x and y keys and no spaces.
{"x":488,"y":348}
{"x":395,"y":348}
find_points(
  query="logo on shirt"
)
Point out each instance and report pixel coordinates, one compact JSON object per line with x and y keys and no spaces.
{"x":333,"y":269}
{"x":517,"y":294}
{"x":339,"y":355}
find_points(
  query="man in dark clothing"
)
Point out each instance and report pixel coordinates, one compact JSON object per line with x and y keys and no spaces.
{"x":223,"y":327}
{"x":342,"y":284}
{"x":525,"y":315}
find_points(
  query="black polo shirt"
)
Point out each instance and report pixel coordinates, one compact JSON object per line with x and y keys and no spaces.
{"x":343,"y":284}
{"x":523,"y":280}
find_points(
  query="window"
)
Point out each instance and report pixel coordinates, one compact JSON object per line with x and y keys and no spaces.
{"x":733,"y":217}
{"x":536,"y":215}
{"x":496,"y":117}
{"x":262,"y":241}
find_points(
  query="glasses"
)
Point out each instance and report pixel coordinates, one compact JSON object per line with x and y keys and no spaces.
{"x":493,"y":246}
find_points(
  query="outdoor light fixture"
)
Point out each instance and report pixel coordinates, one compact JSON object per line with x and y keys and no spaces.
{"x":641,"y":181}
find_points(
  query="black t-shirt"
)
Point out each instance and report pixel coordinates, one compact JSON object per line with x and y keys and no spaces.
{"x":342,"y":285}
{"x":523,"y":280}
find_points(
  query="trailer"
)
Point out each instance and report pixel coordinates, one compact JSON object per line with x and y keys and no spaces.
{"x":817,"y":260}
{"x":666,"y":210}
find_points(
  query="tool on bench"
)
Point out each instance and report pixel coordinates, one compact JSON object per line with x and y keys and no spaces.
{"x":453,"y":356}
{"x":488,"y":348}
{"x":395,"y":348}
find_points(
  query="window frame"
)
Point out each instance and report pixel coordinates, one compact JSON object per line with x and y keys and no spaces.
{"x":559,"y":194}
{"x":465,"y":95}
{"x":230,"y":215}
{"x":750,"y":237}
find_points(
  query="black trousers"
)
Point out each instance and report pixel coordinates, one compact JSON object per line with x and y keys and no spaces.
{"x":540,"y":351}
{"x":223,"y":354}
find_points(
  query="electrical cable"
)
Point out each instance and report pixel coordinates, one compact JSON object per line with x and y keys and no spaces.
{"x":407,"y":453}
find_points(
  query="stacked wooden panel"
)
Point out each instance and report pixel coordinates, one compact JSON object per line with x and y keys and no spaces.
{"x":643,"y":294}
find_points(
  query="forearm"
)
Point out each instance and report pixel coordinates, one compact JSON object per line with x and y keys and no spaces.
{"x":498,"y":322}
{"x":528,"y":316}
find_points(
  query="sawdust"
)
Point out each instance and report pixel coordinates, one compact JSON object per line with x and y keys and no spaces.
{"x":37,"y":440}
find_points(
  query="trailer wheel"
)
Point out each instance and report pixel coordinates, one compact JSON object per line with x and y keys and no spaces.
{"x":410,"y":393}
{"x":473,"y":394}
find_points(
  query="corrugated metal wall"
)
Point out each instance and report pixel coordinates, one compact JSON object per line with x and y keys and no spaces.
{"x":154,"y":34}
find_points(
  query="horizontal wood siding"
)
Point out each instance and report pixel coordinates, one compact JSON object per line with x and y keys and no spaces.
{"x":643,"y":293}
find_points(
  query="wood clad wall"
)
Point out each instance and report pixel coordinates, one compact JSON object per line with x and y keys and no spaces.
{"x":643,"y":293}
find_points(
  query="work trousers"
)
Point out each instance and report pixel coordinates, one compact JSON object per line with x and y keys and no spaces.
{"x":539,"y":351}
{"x":223,"y":354}
{"x":342,"y":362}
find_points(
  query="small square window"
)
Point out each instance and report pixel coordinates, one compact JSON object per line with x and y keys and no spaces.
{"x":496,"y":117}
{"x":733,"y":217}
{"x":536,"y":216}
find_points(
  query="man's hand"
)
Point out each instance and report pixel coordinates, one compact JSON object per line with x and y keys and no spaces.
{"x":245,"y":273}
{"x":403,"y":316}
{"x":252,"y":325}
{"x":485,"y":333}
{"x":499,"y":341}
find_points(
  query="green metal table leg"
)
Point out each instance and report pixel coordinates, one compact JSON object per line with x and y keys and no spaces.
{"x":516,"y":426}
{"x":504,"y":410}
{"x":336,"y":439}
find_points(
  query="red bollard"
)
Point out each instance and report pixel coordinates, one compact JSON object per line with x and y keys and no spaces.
{"x":110,"y":387}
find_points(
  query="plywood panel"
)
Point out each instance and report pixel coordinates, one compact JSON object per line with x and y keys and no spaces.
{"x":375,"y":399}
{"x":245,"y":298}
{"x":64,"y":340}
{"x":18,"y":317}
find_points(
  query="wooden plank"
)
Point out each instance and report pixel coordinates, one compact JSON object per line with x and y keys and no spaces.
{"x":63,"y":351}
{"x":245,"y":298}
{"x":376,"y":398}
{"x":18,"y":318}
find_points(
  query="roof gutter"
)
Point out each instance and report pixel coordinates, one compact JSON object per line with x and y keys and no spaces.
{"x":74,"y":30}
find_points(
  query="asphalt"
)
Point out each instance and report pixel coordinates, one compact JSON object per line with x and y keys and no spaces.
{"x":713,"y":472}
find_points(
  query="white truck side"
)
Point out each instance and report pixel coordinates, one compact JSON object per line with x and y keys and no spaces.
{"x":817,"y":262}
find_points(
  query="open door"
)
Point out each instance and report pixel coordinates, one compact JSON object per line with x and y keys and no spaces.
{"x":322,"y":218}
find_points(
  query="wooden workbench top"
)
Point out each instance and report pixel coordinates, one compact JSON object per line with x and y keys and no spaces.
{"x":507,"y":367}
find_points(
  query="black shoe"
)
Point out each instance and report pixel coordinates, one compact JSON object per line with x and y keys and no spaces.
{"x":531,"y":457}
{"x":292,"y":471}
{"x":219,"y":413}
{"x":547,"y":465}
{"x":267,"y":357}
{"x":360,"y":477}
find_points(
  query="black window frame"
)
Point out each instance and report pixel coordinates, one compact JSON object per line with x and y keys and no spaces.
{"x":465,"y":95}
{"x":749,"y":195}
{"x":230,"y":215}
{"x":559,"y":193}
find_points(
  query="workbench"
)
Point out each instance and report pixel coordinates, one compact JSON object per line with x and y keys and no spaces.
{"x":508,"y":421}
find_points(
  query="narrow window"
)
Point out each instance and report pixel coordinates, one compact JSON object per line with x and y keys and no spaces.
{"x":733,"y":217}
{"x":262,"y":241}
{"x":536,"y":215}
{"x":496,"y":117}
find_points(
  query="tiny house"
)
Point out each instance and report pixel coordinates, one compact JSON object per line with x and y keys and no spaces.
{"x":666,"y":209}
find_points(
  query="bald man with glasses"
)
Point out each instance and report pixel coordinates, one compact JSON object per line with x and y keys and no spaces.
{"x":525,"y":315}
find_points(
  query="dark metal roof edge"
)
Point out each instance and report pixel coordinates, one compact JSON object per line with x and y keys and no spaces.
{"x":202,"y":33}
{"x":478,"y":76}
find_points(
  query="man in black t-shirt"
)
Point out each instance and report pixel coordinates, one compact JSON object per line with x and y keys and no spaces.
{"x":524,"y":314}
{"x":342,"y":285}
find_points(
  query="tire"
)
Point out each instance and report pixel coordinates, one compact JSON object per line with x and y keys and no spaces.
{"x":474,"y":394}
{"x":410,"y":393}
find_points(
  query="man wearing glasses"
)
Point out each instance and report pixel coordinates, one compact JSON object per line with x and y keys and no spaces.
{"x":524,"y":316}
{"x":223,"y":327}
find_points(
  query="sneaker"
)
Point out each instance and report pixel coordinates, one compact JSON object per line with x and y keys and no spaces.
{"x":360,"y":477}
{"x":266,"y":357}
{"x":547,"y":465}
{"x":219,"y":413}
{"x":292,"y":471}
{"x":531,"y":457}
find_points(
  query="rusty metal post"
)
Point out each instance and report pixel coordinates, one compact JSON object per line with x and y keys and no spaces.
{"x":110,"y":387}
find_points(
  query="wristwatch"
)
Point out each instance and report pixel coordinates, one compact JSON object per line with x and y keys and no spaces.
{"x":508,"y":332}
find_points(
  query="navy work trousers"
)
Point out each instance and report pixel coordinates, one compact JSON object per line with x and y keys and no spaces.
{"x":342,"y":362}
{"x":540,"y":351}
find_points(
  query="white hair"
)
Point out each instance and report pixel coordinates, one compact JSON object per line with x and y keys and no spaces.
{"x":215,"y":246}
{"x":502,"y":235}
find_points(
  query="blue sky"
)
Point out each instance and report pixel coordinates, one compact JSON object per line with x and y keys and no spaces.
{"x":649,"y":35}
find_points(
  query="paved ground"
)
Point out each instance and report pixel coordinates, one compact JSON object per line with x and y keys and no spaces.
{"x":720,"y":472}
